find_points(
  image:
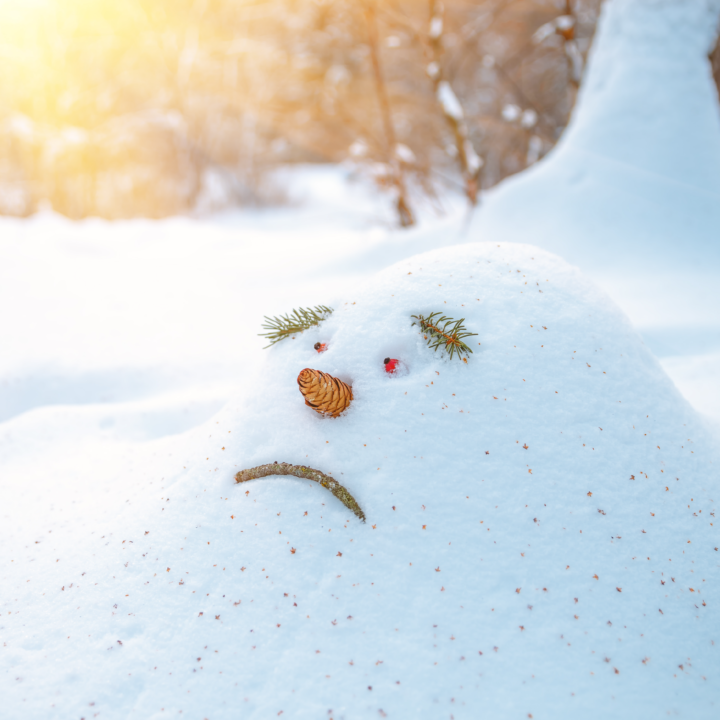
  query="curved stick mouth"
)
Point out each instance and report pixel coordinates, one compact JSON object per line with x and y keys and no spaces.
{"x":306,"y":473}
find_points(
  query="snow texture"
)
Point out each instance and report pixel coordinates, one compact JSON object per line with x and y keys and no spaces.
{"x":631,"y":193}
{"x":541,"y":535}
{"x":647,"y":106}
{"x":576,"y":60}
{"x":436,"y":28}
{"x":529,"y":118}
{"x":405,"y":154}
{"x":645,"y":44}
{"x":450,"y":104}
{"x":539,"y":521}
{"x":511,"y":112}
{"x":474,"y":161}
{"x":564,"y":22}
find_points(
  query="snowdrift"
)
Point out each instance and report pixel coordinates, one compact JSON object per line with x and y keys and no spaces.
{"x":637,"y":173}
{"x":631,"y":192}
{"x":540,"y":538}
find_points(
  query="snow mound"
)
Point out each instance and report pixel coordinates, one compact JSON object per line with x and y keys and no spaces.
{"x":539,"y":536}
{"x":638,"y":170}
{"x":631,"y":193}
{"x":649,"y":99}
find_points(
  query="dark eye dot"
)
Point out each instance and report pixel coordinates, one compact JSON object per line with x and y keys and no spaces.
{"x":386,"y":361}
{"x":316,"y":346}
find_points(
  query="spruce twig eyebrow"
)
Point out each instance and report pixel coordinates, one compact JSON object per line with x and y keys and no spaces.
{"x":444,"y":332}
{"x":306,"y":473}
{"x":295,"y":322}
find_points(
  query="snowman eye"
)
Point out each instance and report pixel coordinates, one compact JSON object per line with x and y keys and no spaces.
{"x":390,"y":365}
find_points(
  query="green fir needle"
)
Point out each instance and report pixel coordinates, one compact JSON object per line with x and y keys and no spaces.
{"x":298,"y":320}
{"x":444,"y":332}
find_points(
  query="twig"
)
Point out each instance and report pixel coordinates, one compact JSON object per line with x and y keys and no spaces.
{"x":306,"y":473}
{"x":572,"y":52}
{"x":470,"y":161}
{"x":404,"y":212}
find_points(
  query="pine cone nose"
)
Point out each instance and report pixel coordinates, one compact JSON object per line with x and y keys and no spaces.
{"x":324,"y":393}
{"x":305,"y":376}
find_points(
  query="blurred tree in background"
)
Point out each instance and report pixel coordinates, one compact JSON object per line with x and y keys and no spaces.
{"x":121,"y":108}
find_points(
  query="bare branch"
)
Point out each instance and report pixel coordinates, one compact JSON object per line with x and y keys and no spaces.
{"x":404,"y":212}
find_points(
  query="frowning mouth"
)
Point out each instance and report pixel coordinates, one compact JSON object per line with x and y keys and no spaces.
{"x":328,"y":396}
{"x":306,"y":473}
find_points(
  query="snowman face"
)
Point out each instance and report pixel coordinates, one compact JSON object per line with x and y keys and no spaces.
{"x":330,"y":396}
{"x":434,"y":417}
{"x":360,"y":378}
{"x":484,"y":559}
{"x":511,"y":542}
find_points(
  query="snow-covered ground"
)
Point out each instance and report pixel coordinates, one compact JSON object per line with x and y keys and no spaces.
{"x":526,"y":512}
{"x":574,"y":577}
{"x":99,"y":312}
{"x":631,"y":194}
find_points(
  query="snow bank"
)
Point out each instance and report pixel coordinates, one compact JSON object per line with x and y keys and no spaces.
{"x":539,"y":538}
{"x":639,"y":165}
{"x":631,"y":193}
{"x":638,"y":170}
{"x":649,"y":99}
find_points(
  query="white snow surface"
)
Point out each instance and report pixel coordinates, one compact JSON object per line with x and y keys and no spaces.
{"x":449,"y":101}
{"x":641,"y":157}
{"x":539,"y":524}
{"x":646,"y":44}
{"x":123,"y":342}
{"x":639,"y":163}
{"x":436,"y":27}
{"x":631,"y":193}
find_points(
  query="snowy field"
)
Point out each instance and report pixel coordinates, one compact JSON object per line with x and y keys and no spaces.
{"x":541,"y":524}
{"x":99,"y":312}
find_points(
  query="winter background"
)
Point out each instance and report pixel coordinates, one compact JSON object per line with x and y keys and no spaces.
{"x":540,"y":538}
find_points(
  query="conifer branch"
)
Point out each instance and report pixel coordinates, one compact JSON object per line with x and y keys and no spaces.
{"x":444,"y":332}
{"x":298,"y":320}
{"x":306,"y":473}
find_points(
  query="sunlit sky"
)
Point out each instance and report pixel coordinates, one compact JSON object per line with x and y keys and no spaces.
{"x":19,"y":5}
{"x":57,"y":57}
{"x":15,"y":10}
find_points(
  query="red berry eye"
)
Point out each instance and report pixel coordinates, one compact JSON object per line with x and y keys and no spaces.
{"x":320,"y":347}
{"x":390,"y":364}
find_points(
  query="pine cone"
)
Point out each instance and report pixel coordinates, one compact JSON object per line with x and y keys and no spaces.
{"x":324,"y":393}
